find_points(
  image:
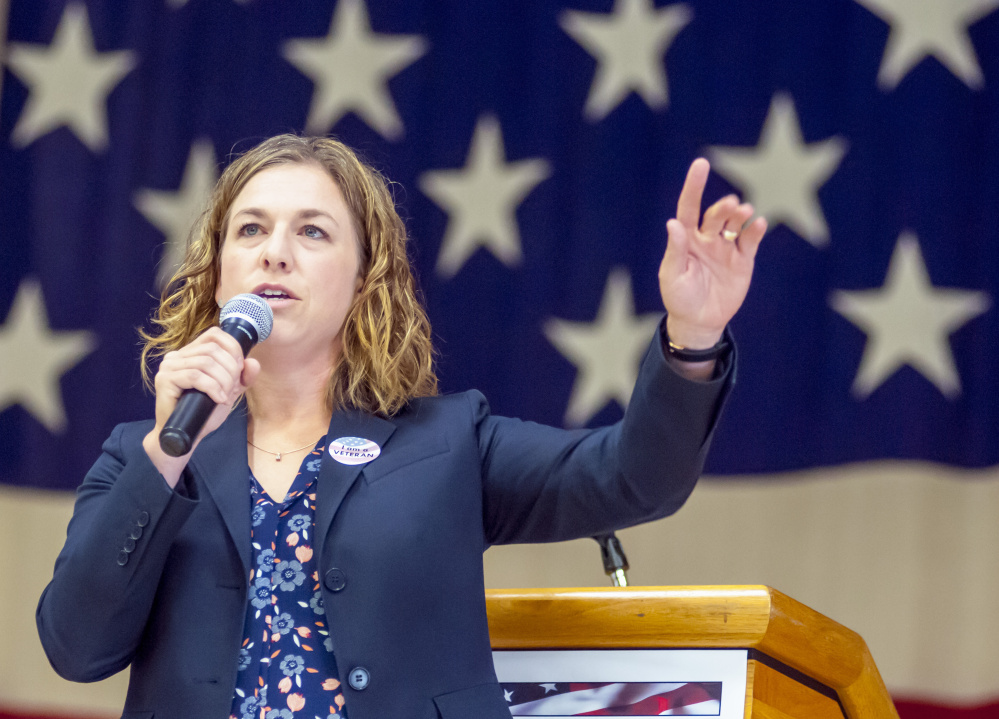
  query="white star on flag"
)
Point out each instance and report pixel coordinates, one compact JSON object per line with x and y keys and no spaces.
{"x":548,"y":687}
{"x":908,"y":321}
{"x":174,"y":213}
{"x":921,"y":28}
{"x":607,"y":352}
{"x":629,"y":45}
{"x":482,"y":199}
{"x":33,"y":358}
{"x":782,"y":175}
{"x":351,"y":68}
{"x":69,"y":82}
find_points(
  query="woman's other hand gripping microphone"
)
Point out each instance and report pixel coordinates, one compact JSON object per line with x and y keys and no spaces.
{"x":247,"y":319}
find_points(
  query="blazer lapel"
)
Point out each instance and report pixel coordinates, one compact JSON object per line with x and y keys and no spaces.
{"x":220,"y":465}
{"x":336,"y":479}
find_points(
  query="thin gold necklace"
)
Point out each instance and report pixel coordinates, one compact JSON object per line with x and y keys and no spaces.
{"x":278,"y":455}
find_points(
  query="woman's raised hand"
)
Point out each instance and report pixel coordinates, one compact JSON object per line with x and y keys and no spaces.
{"x":705,"y":272}
{"x":213,"y":363}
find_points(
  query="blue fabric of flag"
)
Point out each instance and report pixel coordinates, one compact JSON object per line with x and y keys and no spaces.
{"x":914,"y":147}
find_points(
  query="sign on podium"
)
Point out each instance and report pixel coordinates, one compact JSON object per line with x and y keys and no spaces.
{"x":736,"y":652}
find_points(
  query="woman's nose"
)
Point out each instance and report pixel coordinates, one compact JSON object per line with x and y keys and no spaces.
{"x":277,"y":251}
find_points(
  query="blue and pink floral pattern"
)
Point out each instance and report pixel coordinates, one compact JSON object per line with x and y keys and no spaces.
{"x":286,"y":665}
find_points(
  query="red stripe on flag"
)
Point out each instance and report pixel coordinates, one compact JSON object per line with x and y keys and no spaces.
{"x":10,"y":714}
{"x":922,"y":710}
{"x":685,"y":696}
{"x":906,"y":710}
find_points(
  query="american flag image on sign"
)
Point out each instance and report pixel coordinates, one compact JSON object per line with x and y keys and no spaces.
{"x":618,"y":699}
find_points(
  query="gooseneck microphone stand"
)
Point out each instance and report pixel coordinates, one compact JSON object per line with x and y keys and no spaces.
{"x":615,"y":563}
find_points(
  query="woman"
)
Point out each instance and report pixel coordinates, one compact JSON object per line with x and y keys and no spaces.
{"x":273,"y":572}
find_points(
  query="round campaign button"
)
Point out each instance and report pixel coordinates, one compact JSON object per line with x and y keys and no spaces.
{"x":354,"y":450}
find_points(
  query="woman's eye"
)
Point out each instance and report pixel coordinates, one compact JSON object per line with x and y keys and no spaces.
{"x":250,"y":229}
{"x":313,"y":232}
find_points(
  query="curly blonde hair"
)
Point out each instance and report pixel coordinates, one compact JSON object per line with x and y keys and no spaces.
{"x":387,"y":355}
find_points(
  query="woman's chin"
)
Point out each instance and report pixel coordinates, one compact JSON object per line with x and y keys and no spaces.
{"x":285,"y":345}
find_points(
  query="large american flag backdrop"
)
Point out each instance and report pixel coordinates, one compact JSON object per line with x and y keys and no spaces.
{"x":539,"y":147}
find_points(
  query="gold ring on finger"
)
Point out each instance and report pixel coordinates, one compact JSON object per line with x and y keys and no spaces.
{"x":729,"y":235}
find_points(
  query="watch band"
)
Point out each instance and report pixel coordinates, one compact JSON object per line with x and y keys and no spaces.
{"x":688,"y":355}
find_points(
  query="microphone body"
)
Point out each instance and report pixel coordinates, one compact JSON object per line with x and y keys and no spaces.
{"x":248,"y":319}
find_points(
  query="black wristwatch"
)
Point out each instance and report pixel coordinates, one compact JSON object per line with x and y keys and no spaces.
{"x":688,"y":355}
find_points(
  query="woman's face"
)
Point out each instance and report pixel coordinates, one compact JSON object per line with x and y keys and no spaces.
{"x":291,"y":240}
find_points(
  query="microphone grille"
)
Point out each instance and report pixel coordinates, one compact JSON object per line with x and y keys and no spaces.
{"x":253,"y":309}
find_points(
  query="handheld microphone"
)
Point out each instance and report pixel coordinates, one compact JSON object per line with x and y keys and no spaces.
{"x":247,"y":318}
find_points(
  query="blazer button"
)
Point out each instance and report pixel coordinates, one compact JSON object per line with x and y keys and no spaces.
{"x":143,"y":519}
{"x":122,"y":558}
{"x":129,"y":546}
{"x":335,"y":581}
{"x":136,"y":532}
{"x":359,"y":678}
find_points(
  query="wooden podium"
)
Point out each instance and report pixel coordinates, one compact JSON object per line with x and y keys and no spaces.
{"x":799,"y":663}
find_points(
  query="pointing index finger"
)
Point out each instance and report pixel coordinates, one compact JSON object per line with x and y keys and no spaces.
{"x":688,"y":208}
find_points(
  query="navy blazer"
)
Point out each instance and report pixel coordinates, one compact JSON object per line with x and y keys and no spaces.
{"x":158,"y":579}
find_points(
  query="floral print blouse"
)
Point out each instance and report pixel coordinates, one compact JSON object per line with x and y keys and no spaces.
{"x":286,"y":665}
